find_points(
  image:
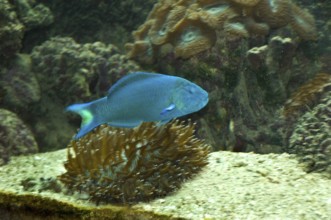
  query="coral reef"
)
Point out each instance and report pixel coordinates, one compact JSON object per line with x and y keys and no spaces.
{"x":305,"y":97}
{"x":277,"y":57}
{"x":11,"y":31}
{"x":33,"y":15}
{"x":186,"y":28}
{"x":131,"y":165}
{"x":307,"y":116}
{"x":15,"y":137}
{"x":321,"y":11}
{"x":78,"y":72}
{"x":90,"y":20}
{"x":67,"y":73}
{"x":17,"y":18}
{"x":248,"y":87}
{"x":20,"y":86}
{"x":303,"y":23}
{"x":311,"y":138}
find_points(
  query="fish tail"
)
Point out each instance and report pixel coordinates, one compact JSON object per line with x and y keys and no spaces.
{"x":88,"y":119}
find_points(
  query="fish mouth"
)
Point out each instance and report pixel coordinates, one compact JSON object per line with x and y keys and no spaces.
{"x":204,"y":103}
{"x":204,"y":100}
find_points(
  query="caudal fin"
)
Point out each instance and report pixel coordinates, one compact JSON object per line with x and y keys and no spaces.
{"x":88,"y":119}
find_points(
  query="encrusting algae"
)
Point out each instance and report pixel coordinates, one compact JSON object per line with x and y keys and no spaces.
{"x":119,"y":165}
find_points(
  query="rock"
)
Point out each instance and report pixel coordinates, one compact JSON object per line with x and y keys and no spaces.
{"x":15,"y":137}
{"x":33,"y":15}
{"x":11,"y":31}
{"x":20,"y":85}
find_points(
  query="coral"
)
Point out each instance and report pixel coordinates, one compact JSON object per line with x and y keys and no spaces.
{"x":58,"y":73}
{"x":322,"y":10}
{"x":275,"y":13}
{"x":131,"y":165}
{"x":74,"y":72}
{"x":178,"y":27}
{"x":257,"y":55}
{"x":33,"y":15}
{"x":19,"y":84}
{"x":18,"y":17}
{"x":256,"y":28}
{"x":305,"y":97}
{"x":248,"y":87}
{"x":90,"y":20}
{"x":193,"y":39}
{"x":15,"y":137}
{"x":311,"y":138}
{"x":235,"y":30}
{"x":11,"y":31}
{"x":247,"y":2}
{"x":307,"y":115}
{"x":186,"y":28}
{"x":303,"y":23}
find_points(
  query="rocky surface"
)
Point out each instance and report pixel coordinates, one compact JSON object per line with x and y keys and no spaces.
{"x":20,"y":86}
{"x":233,"y":186}
{"x":11,"y":31}
{"x":90,"y":20}
{"x":15,"y":137}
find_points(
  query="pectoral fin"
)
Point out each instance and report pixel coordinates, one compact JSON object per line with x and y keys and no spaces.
{"x":168,"y":109}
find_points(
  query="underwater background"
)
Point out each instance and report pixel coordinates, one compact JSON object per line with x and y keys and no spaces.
{"x":266,"y":65}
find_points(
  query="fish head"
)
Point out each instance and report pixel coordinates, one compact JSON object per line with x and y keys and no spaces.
{"x":189,"y":97}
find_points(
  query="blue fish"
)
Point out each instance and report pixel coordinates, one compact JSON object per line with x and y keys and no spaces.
{"x":141,"y":97}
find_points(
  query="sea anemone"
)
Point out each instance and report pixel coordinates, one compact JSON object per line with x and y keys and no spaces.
{"x":119,"y":165}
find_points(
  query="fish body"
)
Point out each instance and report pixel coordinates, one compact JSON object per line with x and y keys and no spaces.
{"x":141,"y":97}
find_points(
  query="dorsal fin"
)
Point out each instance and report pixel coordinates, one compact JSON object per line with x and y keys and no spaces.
{"x":130,"y":78}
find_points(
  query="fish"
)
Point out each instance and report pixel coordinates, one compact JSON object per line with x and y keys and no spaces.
{"x":141,"y":97}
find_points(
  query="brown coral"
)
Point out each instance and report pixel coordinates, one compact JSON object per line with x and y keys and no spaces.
{"x":307,"y":95}
{"x":247,"y":2}
{"x":256,"y":28}
{"x":235,"y":30}
{"x":194,"y":37}
{"x":274,"y":13}
{"x":311,"y":137}
{"x":303,"y":23}
{"x":170,"y":22}
{"x":130,"y":165}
